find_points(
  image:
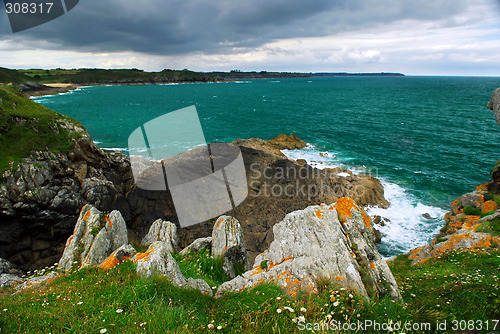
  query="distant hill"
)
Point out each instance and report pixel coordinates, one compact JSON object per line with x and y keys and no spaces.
{"x":13,"y":76}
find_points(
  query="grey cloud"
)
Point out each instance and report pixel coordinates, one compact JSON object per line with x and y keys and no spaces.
{"x":211,"y":26}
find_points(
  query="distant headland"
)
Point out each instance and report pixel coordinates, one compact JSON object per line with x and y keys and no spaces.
{"x":41,"y":81}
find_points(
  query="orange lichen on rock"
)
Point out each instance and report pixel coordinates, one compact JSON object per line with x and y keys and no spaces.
{"x":338,"y":278}
{"x":490,"y":206}
{"x":145,"y":256}
{"x":372,"y":265}
{"x":366,"y":219}
{"x":344,"y":206}
{"x":109,"y":222}
{"x":414,"y":252}
{"x":319,"y":214}
{"x":111,"y":262}
{"x":86,"y":216}
{"x":218,"y":222}
{"x":483,"y":187}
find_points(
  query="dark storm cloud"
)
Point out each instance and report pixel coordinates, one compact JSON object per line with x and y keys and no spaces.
{"x":211,"y":26}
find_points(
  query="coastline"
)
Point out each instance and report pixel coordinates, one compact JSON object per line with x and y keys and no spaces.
{"x":53,"y":89}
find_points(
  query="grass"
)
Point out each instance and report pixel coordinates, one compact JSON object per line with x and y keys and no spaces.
{"x":90,"y":300}
{"x":202,"y":265}
{"x":26,"y":125}
{"x":459,"y":285}
{"x":492,"y":227}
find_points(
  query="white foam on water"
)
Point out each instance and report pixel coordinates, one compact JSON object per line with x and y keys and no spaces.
{"x":407,"y":228}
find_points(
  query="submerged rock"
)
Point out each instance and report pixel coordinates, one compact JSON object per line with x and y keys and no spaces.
{"x":164,"y":231}
{"x":313,"y":244}
{"x":228,"y":241}
{"x":95,"y":237}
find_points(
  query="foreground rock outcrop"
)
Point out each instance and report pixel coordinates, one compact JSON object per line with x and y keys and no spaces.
{"x":95,"y":237}
{"x":313,"y":244}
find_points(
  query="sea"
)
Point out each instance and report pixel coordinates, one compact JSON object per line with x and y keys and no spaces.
{"x":428,"y":139}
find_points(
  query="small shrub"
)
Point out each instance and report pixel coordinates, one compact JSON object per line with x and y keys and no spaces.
{"x":95,"y":230}
{"x":263,"y":264}
{"x":472,"y":211}
{"x":488,"y":197}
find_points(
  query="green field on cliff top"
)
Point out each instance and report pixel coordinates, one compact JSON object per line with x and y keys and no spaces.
{"x":27,"y":126}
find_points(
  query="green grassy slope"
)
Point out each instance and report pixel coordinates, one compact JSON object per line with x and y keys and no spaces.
{"x":26,"y":125}
{"x":13,"y":76}
{"x":457,"y":287}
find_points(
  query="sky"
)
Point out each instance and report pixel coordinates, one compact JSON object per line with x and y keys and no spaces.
{"x":424,"y":37}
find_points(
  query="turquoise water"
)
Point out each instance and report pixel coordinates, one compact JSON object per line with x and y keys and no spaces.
{"x":430,"y":139}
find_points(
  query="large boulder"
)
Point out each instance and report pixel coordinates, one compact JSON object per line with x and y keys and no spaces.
{"x":95,"y":237}
{"x":164,"y":231}
{"x":228,"y":242}
{"x":157,"y":260}
{"x":313,"y":244}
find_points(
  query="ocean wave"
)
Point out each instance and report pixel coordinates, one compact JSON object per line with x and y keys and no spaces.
{"x":407,"y":228}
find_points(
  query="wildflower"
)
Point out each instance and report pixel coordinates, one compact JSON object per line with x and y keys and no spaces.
{"x":303,"y":309}
{"x":278,"y":310}
{"x":351,"y":296}
{"x":104,"y":330}
{"x":79,"y":303}
{"x":278,"y":298}
{"x":210,"y":326}
{"x":5,"y":310}
{"x":219,"y":327}
{"x":336,"y":304}
{"x":302,"y":319}
{"x":119,"y":310}
{"x":289,"y":309}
